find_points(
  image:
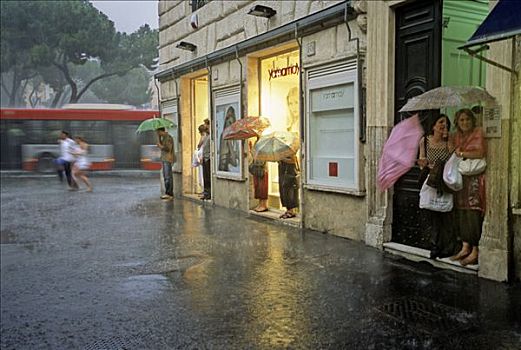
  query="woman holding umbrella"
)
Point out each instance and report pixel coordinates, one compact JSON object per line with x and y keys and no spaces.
{"x":243,"y":129}
{"x":437,"y":147}
{"x":288,"y":167}
{"x":470,"y":201}
{"x":259,"y":172}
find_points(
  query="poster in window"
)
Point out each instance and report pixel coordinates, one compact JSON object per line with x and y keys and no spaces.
{"x":228,"y":160}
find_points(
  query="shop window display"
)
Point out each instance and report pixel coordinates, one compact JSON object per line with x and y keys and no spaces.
{"x":332,"y":127}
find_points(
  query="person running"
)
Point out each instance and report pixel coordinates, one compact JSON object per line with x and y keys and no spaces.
{"x":82,"y":164}
{"x":66,"y":147}
{"x":166,"y":144}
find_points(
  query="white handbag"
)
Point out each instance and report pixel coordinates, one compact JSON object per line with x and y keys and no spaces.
{"x":451,"y":174}
{"x":472,"y":166}
{"x":197,"y":158}
{"x":430,"y":199}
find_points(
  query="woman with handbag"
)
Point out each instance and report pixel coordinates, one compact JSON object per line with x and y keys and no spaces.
{"x":470,"y":201}
{"x":288,"y":167}
{"x":259,"y":172}
{"x":435,"y":150}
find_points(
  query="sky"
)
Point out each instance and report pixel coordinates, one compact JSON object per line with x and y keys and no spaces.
{"x":129,"y":15}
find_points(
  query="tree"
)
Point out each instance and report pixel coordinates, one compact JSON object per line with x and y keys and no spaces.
{"x":133,"y":51}
{"x":65,"y":34}
{"x":131,"y":88}
{"x":15,"y":45}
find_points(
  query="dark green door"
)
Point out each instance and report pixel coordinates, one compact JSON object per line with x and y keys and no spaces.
{"x":417,"y":69}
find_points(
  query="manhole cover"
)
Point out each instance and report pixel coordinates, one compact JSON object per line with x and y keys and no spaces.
{"x":428,"y":316}
{"x":7,"y":237}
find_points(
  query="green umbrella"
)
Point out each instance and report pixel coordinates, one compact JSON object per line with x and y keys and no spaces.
{"x":154,"y":124}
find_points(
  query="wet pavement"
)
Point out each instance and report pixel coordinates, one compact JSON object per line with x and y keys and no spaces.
{"x":120,"y":269}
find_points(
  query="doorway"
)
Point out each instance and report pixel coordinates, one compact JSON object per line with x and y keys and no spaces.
{"x":279,"y":103}
{"x":197,"y":110}
{"x":427,"y":36}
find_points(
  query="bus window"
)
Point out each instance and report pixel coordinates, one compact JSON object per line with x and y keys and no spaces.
{"x":95,"y":132}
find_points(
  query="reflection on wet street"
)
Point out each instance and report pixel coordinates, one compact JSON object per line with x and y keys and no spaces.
{"x":120,"y":269}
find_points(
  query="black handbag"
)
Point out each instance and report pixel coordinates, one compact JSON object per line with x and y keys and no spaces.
{"x":435,"y":178}
{"x":424,"y":172}
{"x":423,"y":176}
{"x":257,"y":168}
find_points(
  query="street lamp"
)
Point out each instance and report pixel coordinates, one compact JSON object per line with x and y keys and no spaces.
{"x":186,"y":46}
{"x":262,"y":11}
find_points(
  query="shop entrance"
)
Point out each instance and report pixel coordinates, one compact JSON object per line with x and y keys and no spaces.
{"x":279,"y":102}
{"x":194,"y":112}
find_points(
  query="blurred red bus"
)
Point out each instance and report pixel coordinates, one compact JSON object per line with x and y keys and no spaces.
{"x":29,"y":137}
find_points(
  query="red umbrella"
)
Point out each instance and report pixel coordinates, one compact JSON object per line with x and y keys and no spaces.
{"x":245,"y":128}
{"x":399,"y":152}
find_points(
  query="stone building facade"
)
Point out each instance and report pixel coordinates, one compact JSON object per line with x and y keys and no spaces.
{"x":231,"y":59}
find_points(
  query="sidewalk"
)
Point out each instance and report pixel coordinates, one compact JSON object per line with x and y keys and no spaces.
{"x":97,"y":173}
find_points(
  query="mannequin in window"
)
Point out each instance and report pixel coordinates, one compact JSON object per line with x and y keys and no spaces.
{"x":292,"y":121}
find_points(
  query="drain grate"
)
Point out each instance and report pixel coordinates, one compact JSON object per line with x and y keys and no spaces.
{"x":127,"y":343}
{"x":428,"y":316}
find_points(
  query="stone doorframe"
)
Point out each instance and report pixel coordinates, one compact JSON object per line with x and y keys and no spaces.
{"x":380,"y":115}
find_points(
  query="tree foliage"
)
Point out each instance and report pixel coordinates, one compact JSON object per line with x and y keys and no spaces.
{"x":51,"y":38}
{"x":131,"y":88}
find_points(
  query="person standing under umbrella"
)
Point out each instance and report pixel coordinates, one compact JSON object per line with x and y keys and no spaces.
{"x":288,"y":167}
{"x":166,"y":144}
{"x":470,"y":201}
{"x":260,"y":182}
{"x":438,"y":147}
{"x":207,"y":174}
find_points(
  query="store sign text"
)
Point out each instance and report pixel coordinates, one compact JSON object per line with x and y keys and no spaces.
{"x":333,"y":94}
{"x":282,"y":72}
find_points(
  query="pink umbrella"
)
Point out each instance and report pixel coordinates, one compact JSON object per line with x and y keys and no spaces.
{"x":399,"y":152}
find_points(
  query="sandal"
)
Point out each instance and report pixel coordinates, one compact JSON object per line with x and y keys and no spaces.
{"x":287,"y":215}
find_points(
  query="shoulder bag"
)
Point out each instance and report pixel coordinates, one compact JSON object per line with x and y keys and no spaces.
{"x":451,"y":175}
{"x":472,"y":166}
{"x":435,"y":200}
{"x":257,"y":168}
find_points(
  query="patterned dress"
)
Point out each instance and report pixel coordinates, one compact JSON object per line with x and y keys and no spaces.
{"x":441,"y":226}
{"x":470,"y":201}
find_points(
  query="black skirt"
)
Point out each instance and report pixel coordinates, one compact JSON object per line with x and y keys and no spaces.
{"x":288,"y":185}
